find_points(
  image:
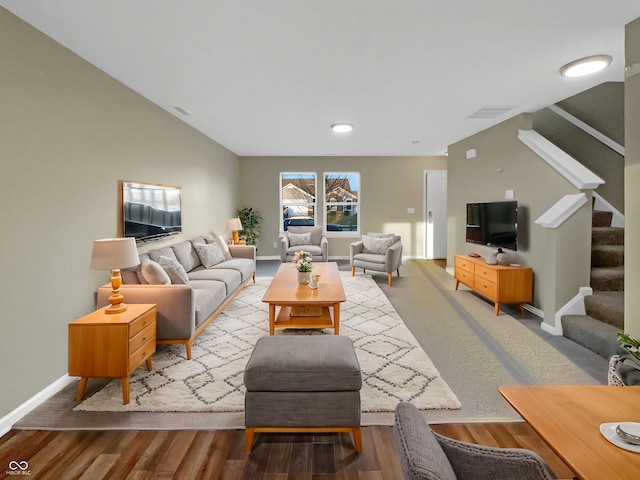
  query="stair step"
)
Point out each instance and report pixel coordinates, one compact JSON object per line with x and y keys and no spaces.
{"x":607,"y":279}
{"x":607,"y":256}
{"x":607,"y":236}
{"x":592,"y":334}
{"x":601,"y":219}
{"x":608,"y":307}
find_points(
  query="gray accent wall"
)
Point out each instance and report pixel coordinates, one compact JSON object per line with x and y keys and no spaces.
{"x":389,"y":186}
{"x":68,"y":133}
{"x":504,"y":163}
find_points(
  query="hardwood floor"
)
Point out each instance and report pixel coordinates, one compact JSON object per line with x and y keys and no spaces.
{"x":200,"y":454}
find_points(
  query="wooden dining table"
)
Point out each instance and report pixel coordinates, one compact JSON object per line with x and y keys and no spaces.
{"x":568,"y":418}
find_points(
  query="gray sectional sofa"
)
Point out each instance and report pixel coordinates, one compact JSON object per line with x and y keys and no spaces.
{"x":188,"y":294}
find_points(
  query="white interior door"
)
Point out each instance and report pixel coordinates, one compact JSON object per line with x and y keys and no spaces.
{"x":435,"y":211}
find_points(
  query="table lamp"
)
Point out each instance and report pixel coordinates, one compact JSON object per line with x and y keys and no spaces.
{"x":114,"y":254}
{"x":234,"y":224}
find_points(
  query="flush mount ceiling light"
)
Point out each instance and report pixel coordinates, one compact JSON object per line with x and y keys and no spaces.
{"x":585,"y":66}
{"x":341,"y":127}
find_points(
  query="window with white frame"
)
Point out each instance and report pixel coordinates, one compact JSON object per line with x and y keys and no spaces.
{"x":297,"y":199}
{"x":342,"y":202}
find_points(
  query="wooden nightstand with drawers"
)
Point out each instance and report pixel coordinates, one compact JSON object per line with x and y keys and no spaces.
{"x":112,"y":345}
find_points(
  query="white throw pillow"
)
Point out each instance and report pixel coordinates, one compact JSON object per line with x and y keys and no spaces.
{"x":153,"y":273}
{"x":176,"y":272}
{"x":376,"y":244}
{"x":210,"y":254}
{"x":299,"y":239}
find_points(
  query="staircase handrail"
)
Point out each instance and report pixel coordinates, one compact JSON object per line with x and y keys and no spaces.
{"x":598,"y":135}
{"x":576,"y":173}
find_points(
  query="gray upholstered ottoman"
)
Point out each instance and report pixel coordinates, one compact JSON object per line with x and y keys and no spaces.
{"x":303,"y":383}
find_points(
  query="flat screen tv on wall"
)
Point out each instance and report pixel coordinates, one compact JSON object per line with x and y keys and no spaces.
{"x":149,"y":211}
{"x":494,"y":224}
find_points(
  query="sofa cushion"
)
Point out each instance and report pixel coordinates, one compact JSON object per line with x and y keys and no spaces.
{"x":186,"y":255}
{"x":130,"y":275}
{"x":245,"y":266}
{"x":209,"y":295}
{"x":376,"y":244}
{"x":230,"y":278}
{"x":153,"y":273}
{"x":314,"y":250}
{"x":176,"y":272}
{"x":298,"y":239}
{"x":210,"y":254}
{"x":162,"y":252}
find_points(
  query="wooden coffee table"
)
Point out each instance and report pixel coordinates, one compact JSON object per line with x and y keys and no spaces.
{"x":301,"y":306}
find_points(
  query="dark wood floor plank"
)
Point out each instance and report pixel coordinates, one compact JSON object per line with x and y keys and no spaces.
{"x":367,"y":460}
{"x":323,"y":457}
{"x":195,"y":457}
{"x":100,"y":467}
{"x":218,"y":452}
{"x":300,"y":463}
{"x":133,"y":452}
{"x":279,"y":459}
{"x":386,"y":451}
{"x":169,"y":465}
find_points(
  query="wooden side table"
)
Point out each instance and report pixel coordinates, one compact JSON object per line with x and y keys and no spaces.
{"x":112,"y":345}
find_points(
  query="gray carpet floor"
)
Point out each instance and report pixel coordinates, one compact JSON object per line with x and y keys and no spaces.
{"x":474,"y":351}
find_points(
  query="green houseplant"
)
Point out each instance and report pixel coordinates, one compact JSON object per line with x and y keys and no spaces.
{"x":251,"y":223}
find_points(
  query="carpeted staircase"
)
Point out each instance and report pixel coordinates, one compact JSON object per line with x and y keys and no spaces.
{"x":597,"y":330}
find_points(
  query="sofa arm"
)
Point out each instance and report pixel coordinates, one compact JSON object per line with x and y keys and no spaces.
{"x":354,"y":249}
{"x":284,"y":246}
{"x":324,"y":247}
{"x":243,"y":251}
{"x":175,"y":306}
{"x":393,"y":257}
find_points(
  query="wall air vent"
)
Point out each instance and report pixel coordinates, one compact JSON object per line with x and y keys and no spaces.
{"x":182,"y":111}
{"x":492,"y":111}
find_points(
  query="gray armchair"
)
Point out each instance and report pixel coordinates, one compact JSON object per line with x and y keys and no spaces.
{"x":296,"y":238}
{"x":426,"y":455}
{"x":377,"y":252}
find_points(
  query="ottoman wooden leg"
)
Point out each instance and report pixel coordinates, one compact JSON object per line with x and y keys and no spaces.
{"x":250,"y":433}
{"x":357,"y":439}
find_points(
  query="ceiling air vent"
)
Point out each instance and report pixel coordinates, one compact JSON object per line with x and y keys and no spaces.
{"x":492,"y":111}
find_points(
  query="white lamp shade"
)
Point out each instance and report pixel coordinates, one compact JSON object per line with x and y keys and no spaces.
{"x":234,"y":224}
{"x":114,"y":253}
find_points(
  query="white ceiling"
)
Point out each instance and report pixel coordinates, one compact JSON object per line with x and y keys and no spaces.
{"x":268,"y":77}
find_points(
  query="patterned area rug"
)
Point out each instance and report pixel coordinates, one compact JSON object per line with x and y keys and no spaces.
{"x":394,"y":366}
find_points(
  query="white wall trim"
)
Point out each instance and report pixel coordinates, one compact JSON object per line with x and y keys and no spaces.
{"x":575,"y":306}
{"x":561,"y":210}
{"x":601,"y":204}
{"x":579,"y":175}
{"x":7,"y":422}
{"x":601,"y":137}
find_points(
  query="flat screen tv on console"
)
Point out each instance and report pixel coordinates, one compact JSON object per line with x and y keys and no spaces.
{"x":493,"y":223}
{"x":149,"y":211}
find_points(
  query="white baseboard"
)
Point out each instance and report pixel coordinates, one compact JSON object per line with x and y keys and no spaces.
{"x":7,"y":422}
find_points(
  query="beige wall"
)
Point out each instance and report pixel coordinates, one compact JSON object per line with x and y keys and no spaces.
{"x":632,"y":181}
{"x":536,"y":187}
{"x":69,"y":133}
{"x":388,"y":187}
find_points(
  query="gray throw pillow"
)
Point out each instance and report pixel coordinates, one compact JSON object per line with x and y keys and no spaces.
{"x":153,"y":273}
{"x":210,"y":254}
{"x":176,"y":272}
{"x":299,"y":239}
{"x":376,"y":244}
